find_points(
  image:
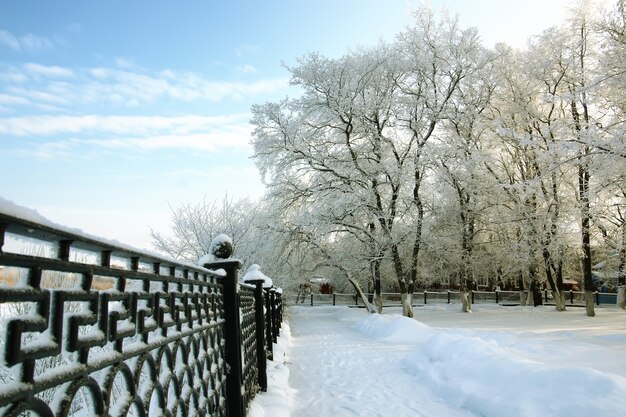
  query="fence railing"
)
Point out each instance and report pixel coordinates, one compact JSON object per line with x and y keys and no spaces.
{"x":90,"y":327}
{"x":572,"y":298}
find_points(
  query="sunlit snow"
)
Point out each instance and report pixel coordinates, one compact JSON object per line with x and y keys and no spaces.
{"x":497,"y":362}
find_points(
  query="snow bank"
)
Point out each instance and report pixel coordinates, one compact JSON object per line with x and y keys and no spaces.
{"x":500,"y":381}
{"x":275,"y":402}
{"x":394,"y":328}
{"x":495,"y":379}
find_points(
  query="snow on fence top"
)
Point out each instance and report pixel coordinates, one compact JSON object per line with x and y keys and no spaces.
{"x":254,"y":274}
{"x":25,"y":223}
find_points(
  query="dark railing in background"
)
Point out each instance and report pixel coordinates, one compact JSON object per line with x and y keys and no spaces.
{"x":572,"y":298}
{"x":91,"y":327}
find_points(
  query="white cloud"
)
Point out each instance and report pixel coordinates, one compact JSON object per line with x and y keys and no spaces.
{"x":13,"y":77}
{"x":94,"y":135}
{"x":40,"y":97}
{"x":33,"y":42}
{"x":247,"y":69}
{"x":8,"y":39}
{"x":48,"y":71}
{"x":114,"y":125}
{"x":229,"y":138}
{"x":126,"y":63}
{"x":28,"y":42}
{"x":131,"y":87}
{"x":7,"y":99}
{"x":74,"y":28}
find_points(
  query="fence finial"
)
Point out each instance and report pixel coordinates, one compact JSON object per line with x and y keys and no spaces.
{"x":221,"y":248}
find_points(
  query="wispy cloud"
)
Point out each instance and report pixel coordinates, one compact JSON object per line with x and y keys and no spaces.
{"x":246,"y":69}
{"x":74,"y":28}
{"x":28,"y":42}
{"x":50,"y":125}
{"x":10,"y":100}
{"x":127,"y":85}
{"x":96,"y":135}
{"x":48,"y":71}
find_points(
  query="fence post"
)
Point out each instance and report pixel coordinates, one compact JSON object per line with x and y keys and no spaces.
{"x":279,"y":309}
{"x":496,"y":291}
{"x":571,"y":297}
{"x":425,"y":297}
{"x":334,"y":300}
{"x":268,"y":325}
{"x":232,"y":337}
{"x":274,"y":315}
{"x":448,"y":296}
{"x":259,"y":318}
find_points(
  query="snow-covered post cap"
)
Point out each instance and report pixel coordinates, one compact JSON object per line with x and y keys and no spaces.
{"x":220,"y":249}
{"x":254,"y":274}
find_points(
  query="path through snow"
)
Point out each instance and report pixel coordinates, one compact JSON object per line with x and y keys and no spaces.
{"x":496,"y":362}
{"x":338,"y":371}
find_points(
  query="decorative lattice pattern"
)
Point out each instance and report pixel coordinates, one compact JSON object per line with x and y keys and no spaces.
{"x":117,"y":333}
{"x":248,"y":339}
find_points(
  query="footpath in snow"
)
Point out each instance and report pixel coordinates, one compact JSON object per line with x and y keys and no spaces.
{"x":495,"y":362}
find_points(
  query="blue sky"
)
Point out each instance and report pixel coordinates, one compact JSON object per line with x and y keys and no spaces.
{"x":113,"y":111}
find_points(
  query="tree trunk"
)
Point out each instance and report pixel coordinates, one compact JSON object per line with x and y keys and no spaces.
{"x":466,"y":300}
{"x":522,"y":294}
{"x":583,"y":185}
{"x":362,"y":296}
{"x":378,"y":297}
{"x":378,"y":302}
{"x":589,"y":303}
{"x":407,"y":304}
{"x":621,"y":270}
{"x":559,"y":300}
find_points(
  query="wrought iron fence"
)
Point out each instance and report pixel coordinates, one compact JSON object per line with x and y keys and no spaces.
{"x":572,"y":298}
{"x":91,"y":327}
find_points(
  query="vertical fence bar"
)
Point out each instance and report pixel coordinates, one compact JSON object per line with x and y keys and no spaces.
{"x":232,"y":337}
{"x":334,"y":299}
{"x":571,"y":297}
{"x":425,"y":297}
{"x":274,"y":315}
{"x":259,"y":318}
{"x":279,"y":311}
{"x":448,"y":296}
{"x":268,"y":325}
{"x":311,"y":299}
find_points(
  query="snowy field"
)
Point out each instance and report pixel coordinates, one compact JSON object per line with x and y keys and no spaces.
{"x":496,"y":362}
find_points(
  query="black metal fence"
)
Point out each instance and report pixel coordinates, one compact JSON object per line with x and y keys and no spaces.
{"x":91,"y":327}
{"x":572,"y":298}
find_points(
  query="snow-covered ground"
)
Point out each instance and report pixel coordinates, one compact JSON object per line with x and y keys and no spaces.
{"x":495,"y":362}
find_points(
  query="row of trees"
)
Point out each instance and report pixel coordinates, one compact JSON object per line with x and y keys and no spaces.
{"x":433,"y":158}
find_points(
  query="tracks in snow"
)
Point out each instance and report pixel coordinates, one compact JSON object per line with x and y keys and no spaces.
{"x":336,"y":371}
